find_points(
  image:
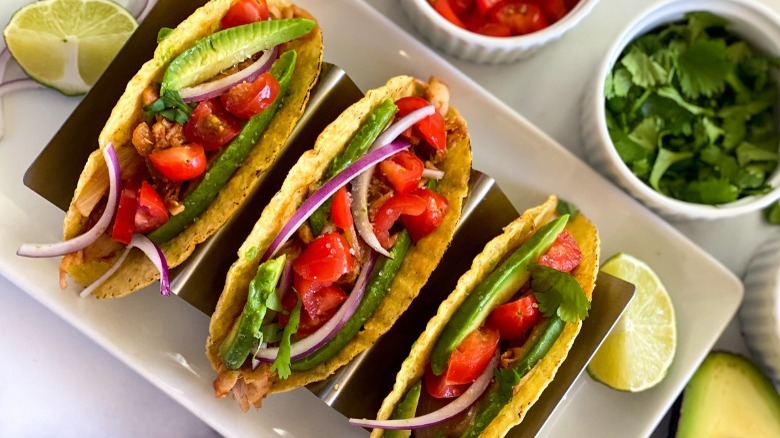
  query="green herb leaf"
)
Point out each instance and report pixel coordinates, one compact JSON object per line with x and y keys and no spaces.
{"x":645,"y":72}
{"x":171,"y":106}
{"x":282,"y":362}
{"x":748,"y":153}
{"x":663,"y":162}
{"x":566,"y":207}
{"x":703,"y":68}
{"x":559,"y":293}
{"x":271,"y":333}
{"x":772,"y":213}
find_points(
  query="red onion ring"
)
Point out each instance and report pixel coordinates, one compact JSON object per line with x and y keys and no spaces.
{"x":151,"y":250}
{"x":322,"y":335}
{"x":211,"y":89}
{"x":39,"y":250}
{"x":454,"y":408}
{"x":433,"y":174}
{"x":360,"y":186}
{"x":327,"y":190}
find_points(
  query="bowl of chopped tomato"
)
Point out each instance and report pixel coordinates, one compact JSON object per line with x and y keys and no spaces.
{"x":683,"y":110}
{"x":494,"y":31}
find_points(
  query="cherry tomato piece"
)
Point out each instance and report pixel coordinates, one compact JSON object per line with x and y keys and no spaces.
{"x":485,"y":6}
{"x":424,"y":223}
{"x":462,"y":7}
{"x":522,"y":17}
{"x":471,"y":357}
{"x":245,"y":12}
{"x":124,"y":221}
{"x":151,"y":212}
{"x":554,"y":9}
{"x":437,"y":385}
{"x":340,"y":209}
{"x":318,"y":298}
{"x":250,"y":98}
{"x":180,"y":163}
{"x":308,"y":325}
{"x":494,"y":29}
{"x":211,"y":126}
{"x":431,"y":128}
{"x":403,"y":171}
{"x":513,"y":320}
{"x":564,"y":254}
{"x":325,"y":258}
{"x":445,"y":9}
{"x":391,"y":210}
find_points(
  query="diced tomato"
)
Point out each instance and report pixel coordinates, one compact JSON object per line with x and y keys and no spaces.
{"x":431,"y":128}
{"x":485,"y":6}
{"x":445,"y":9}
{"x":554,"y":9}
{"x":513,"y":320}
{"x":318,"y":298}
{"x":391,"y":210}
{"x":124,"y":221}
{"x":180,"y":163}
{"x":471,"y":357}
{"x":245,"y":12}
{"x":340,"y":209}
{"x":325,"y":258}
{"x":494,"y":29}
{"x":211,"y":126}
{"x":462,"y":7}
{"x":475,"y":20}
{"x":308,"y":325}
{"x":424,"y":223}
{"x":250,"y":98}
{"x":522,"y":17}
{"x":151,"y":213}
{"x":403,"y":170}
{"x":564,"y":254}
{"x":437,"y":385}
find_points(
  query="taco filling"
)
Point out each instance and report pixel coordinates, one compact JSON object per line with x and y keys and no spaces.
{"x":327,"y":270}
{"x":479,"y":358}
{"x":202,"y":118}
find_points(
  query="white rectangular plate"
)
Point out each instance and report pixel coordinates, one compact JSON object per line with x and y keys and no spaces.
{"x":163,"y":338}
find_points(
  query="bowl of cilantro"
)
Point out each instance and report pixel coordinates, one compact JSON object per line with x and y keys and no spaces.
{"x":683,"y":113}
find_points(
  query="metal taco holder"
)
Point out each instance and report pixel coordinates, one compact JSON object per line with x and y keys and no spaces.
{"x":358,"y":389}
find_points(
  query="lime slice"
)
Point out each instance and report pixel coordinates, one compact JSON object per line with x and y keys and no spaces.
{"x":638,"y":352}
{"x":67,"y":44}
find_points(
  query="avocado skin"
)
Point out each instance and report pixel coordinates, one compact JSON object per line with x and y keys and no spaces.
{"x":729,"y":396}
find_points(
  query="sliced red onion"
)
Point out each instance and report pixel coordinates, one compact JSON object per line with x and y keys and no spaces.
{"x":151,"y":250}
{"x":11,"y":86}
{"x":157,"y":257}
{"x":454,"y":408}
{"x":329,"y":188}
{"x":82,"y":241}
{"x":102,"y":279}
{"x":311,"y":343}
{"x":360,"y":186}
{"x":433,"y":174}
{"x":211,"y":89}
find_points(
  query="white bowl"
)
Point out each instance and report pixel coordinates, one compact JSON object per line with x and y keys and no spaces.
{"x":482,"y":49}
{"x":755,"y":23}
{"x":759,"y":314}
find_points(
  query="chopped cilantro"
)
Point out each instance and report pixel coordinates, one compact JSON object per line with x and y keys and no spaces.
{"x":282,"y":362}
{"x":171,"y":106}
{"x":772,"y":213}
{"x":691,"y":111}
{"x":558,"y":293}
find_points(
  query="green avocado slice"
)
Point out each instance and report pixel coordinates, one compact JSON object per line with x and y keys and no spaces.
{"x":227,"y":48}
{"x":729,"y":396}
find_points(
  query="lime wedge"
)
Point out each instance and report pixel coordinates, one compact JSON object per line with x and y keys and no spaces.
{"x":67,"y":44}
{"x":638,"y":352}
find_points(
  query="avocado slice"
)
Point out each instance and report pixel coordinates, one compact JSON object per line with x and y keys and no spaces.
{"x":496,"y":289}
{"x":226,"y":48}
{"x":406,"y":409}
{"x":729,"y":396}
{"x":246,"y":330}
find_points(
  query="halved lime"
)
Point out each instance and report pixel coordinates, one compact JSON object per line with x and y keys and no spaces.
{"x":638,"y":352}
{"x":67,"y":44}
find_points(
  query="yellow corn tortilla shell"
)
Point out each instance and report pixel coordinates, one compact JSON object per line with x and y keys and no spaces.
{"x":137,"y":271}
{"x":495,"y":251}
{"x":417,"y":266}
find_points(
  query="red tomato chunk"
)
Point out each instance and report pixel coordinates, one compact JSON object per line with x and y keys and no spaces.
{"x":503,"y":18}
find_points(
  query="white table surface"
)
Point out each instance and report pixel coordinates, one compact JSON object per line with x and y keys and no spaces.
{"x":56,"y":382}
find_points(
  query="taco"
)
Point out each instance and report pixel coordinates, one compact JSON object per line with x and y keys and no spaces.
{"x":337,"y":225}
{"x":192,"y":132}
{"x":499,"y":338}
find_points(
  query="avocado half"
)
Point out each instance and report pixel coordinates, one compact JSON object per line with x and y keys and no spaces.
{"x":729,"y":396}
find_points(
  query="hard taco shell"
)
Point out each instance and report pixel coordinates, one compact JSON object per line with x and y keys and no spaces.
{"x":534,"y":383}
{"x":137,"y":271}
{"x":417,"y":266}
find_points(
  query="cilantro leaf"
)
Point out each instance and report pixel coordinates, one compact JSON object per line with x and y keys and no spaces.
{"x":171,"y":106}
{"x":282,"y":362}
{"x":711,"y":191}
{"x":646,"y":134}
{"x":558,"y":293}
{"x":703,"y":68}
{"x":748,"y":152}
{"x":700,"y":21}
{"x":645,"y":72}
{"x":663,"y":162}
{"x":772,"y":213}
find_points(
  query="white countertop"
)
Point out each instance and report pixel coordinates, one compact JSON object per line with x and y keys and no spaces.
{"x":58,"y":382}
